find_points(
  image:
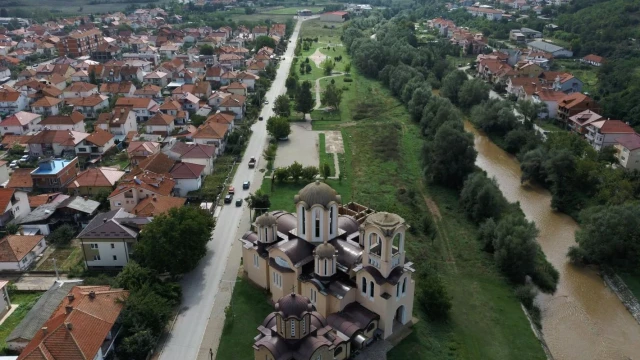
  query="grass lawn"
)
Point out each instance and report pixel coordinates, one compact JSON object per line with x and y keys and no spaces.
{"x":587,"y":74}
{"x":325,"y":158}
{"x":326,"y":32}
{"x":549,"y":125}
{"x":59,"y":7}
{"x":250,"y":307}
{"x":26,"y":300}
{"x":294,"y":10}
{"x":66,"y":258}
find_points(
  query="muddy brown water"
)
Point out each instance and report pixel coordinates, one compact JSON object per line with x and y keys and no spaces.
{"x":584,"y":319}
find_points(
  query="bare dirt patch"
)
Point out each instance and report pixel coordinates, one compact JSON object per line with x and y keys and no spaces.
{"x":317,"y":57}
{"x":333,"y":142}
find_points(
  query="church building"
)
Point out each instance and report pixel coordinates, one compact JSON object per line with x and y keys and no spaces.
{"x":337,"y":275}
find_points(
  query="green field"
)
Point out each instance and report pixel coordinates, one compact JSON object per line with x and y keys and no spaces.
{"x":293,"y":10}
{"x":25,"y":300}
{"x":63,"y":7}
{"x":587,"y":74}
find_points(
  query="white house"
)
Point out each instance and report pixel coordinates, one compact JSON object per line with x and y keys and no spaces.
{"x":13,"y":203}
{"x":47,"y":106}
{"x":188,"y":177}
{"x":604,"y":133}
{"x":20,"y":123}
{"x":118,"y":122}
{"x":17,"y":252}
{"x":80,"y":89}
{"x":12,"y":101}
{"x":96,"y":144}
{"x":628,"y":151}
{"x":160,"y":123}
{"x":194,"y":154}
{"x":72,"y":122}
{"x":143,"y":107}
{"x":89,"y":106}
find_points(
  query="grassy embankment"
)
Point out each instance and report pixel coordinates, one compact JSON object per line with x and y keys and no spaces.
{"x":25,"y":300}
{"x":382,"y":156}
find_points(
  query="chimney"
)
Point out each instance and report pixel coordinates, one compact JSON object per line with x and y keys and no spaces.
{"x":69,"y":326}
{"x":21,"y":231}
{"x":92,"y":294}
{"x":68,"y":309}
{"x":71,"y":297}
{"x":154,"y":198}
{"x":44,"y":330}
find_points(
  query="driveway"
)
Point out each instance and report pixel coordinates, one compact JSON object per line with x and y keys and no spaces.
{"x":302,"y":146}
{"x":188,"y":339}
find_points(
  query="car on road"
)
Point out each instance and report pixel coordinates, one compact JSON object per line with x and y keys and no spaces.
{"x":266,"y":102}
{"x":232,"y":190}
{"x":239,"y":202}
{"x":14,"y":164}
{"x":24,"y":158}
{"x":260,"y":118}
{"x":245,"y":185}
{"x":228,"y":198}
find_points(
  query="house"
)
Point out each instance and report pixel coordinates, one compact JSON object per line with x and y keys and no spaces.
{"x":160,"y":123}
{"x":335,"y":16}
{"x":109,"y":238}
{"x":80,"y":89}
{"x":212,"y":133}
{"x":485,"y":12}
{"x":71,"y":122}
{"x":561,"y":81}
{"x":21,"y":180}
{"x":84,"y":326}
{"x":143,"y":107}
{"x":169,"y":50}
{"x":141,"y":150}
{"x":223,"y":118}
{"x":96,"y":144}
{"x":157,"y":78}
{"x":80,"y":43}
{"x":47,"y":106}
{"x":13,"y":203}
{"x":47,"y":198}
{"x":54,"y":174}
{"x":307,"y":249}
{"x":555,"y":50}
{"x":20,"y":123}
{"x":5,"y":301}
{"x":234,"y":104}
{"x":134,"y":188}
{"x":156,"y":205}
{"x":118,"y":122}
{"x":148,"y":91}
{"x":89,"y":106}
{"x":17,"y":252}
{"x":575,"y":103}
{"x":159,"y":163}
{"x":578,"y":123}
{"x":125,"y":88}
{"x":593,"y":60}
{"x":232,"y":60}
{"x":188,"y":177}
{"x":493,"y":70}
{"x":55,"y":143}
{"x":603,"y":133}
{"x":528,"y":69}
{"x":11,"y":101}
{"x":237,"y":88}
{"x":628,"y":151}
{"x":550,"y":98}
{"x":40,"y":220}
{"x":194,"y":154}
{"x":94,"y":180}
{"x":41,"y":311}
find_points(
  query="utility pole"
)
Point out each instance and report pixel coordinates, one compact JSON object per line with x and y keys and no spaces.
{"x":55,"y":267}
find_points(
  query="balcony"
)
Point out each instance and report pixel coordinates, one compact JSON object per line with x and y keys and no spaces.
{"x":395,"y":260}
{"x":375,"y":260}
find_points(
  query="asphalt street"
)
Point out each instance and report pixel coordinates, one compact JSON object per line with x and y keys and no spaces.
{"x":199,"y":288}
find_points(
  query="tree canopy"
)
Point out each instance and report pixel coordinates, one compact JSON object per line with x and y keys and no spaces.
{"x":332,"y":96}
{"x":304,"y":98}
{"x":281,"y":106}
{"x":450,"y":156}
{"x":278,"y":127}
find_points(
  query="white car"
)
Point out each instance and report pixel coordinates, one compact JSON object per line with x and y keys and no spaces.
{"x":14,"y":164}
{"x":24,"y":158}
{"x":266,"y":102}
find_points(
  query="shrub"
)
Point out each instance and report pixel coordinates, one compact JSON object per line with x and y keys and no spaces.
{"x":62,"y":236}
{"x":433,"y":297}
{"x":348,"y":79}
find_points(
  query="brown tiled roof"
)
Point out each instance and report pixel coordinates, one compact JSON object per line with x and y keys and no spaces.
{"x":46,"y":102}
{"x":11,"y":140}
{"x":211,"y":130}
{"x":594,"y":58}
{"x":631,"y":141}
{"x":21,"y":178}
{"x":194,"y":151}
{"x":573,"y":100}
{"x":72,"y":119}
{"x":14,"y":248}
{"x":20,"y":118}
{"x":37,"y":200}
{"x":62,"y":137}
{"x":97,"y":177}
{"x":80,"y":86}
{"x":233,"y":101}
{"x":116,"y":87}
{"x":149,"y":146}
{"x":221,"y":118}
{"x":99,"y":137}
{"x":615,"y":127}
{"x":156,"y":183}
{"x":9,"y":96}
{"x":5,"y":199}
{"x":135,"y":102}
{"x":160,"y":119}
{"x":185,"y":170}
{"x":156,"y":205}
{"x":158,"y":163}
{"x":170,"y":104}
{"x":91,"y":100}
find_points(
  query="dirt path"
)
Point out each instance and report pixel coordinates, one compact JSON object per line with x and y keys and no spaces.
{"x":440,"y":228}
{"x":318,"y":102}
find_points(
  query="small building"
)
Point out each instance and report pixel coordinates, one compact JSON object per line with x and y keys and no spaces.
{"x":54,"y":174}
{"x":335,"y":16}
{"x":17,"y":252}
{"x":575,"y":103}
{"x":628,"y":151}
{"x":156,"y":205}
{"x":94,"y":180}
{"x":13,"y":203}
{"x":134,"y":188}
{"x":108,"y":240}
{"x":305,"y":12}
{"x":195,"y":154}
{"x":603,"y":133}
{"x":578,"y":123}
{"x":188,"y":177}
{"x":71,"y":122}
{"x":555,"y":50}
{"x":593,"y":60}
{"x":20,"y":123}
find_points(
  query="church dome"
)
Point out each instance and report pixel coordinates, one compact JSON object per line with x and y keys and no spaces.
{"x":266,"y":220}
{"x":384,"y":219}
{"x":325,"y":251}
{"x":293,"y":305}
{"x":317,"y":193}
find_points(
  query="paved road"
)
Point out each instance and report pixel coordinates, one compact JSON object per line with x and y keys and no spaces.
{"x":199,"y":288}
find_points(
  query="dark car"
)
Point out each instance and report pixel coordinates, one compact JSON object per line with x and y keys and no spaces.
{"x":260,"y":118}
{"x":245,"y":185}
{"x":228,"y":198}
{"x":239,"y":202}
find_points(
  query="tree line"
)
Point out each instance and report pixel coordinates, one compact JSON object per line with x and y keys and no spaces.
{"x":412,"y":73}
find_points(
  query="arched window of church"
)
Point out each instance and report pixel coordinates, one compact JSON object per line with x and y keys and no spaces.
{"x":317,"y":224}
{"x":325,"y":266}
{"x":364,"y":286}
{"x":331,"y":220}
{"x":304,"y":221}
{"x":266,"y":234}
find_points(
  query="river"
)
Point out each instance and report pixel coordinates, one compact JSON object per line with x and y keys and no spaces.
{"x":584,"y":319}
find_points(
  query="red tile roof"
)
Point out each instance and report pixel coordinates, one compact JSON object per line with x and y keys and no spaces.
{"x":156,"y":205}
{"x":615,"y":127}
{"x":631,"y":141}
{"x":155,"y":183}
{"x":185,"y":170}
{"x":595,"y":58}
{"x":72,"y":119}
{"x":5,"y":199}
{"x":97,"y":177}
{"x":14,"y":248}
{"x":21,"y":179}
{"x":99,"y":137}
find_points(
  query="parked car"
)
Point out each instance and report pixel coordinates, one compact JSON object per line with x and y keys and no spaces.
{"x":245,"y":185}
{"x":228,"y":198}
{"x":260,"y":118}
{"x":239,"y":202}
{"x":14,"y":164}
{"x":266,"y":102}
{"x":24,"y":158}
{"x":232,"y":190}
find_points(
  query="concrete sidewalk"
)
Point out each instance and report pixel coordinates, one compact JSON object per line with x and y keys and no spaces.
{"x":28,"y":282}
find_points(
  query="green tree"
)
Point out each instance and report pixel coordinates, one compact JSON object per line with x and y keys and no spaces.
{"x":137,"y":345}
{"x":291,"y":84}
{"x":304,"y":98}
{"x":450,"y":156}
{"x":473,"y":92}
{"x":269,"y":154}
{"x":529,"y":109}
{"x":332,"y":96}
{"x":481,"y":198}
{"x":327,"y":66}
{"x":309,"y":173}
{"x":134,"y":277}
{"x":259,"y":201}
{"x":4,"y":12}
{"x":451,"y":85}
{"x":432,"y":296}
{"x":262,"y":41}
{"x":347,"y":67}
{"x":608,"y":236}
{"x":419,"y":99}
{"x":326,"y":171}
{"x":145,"y":309}
{"x":278,"y":127}
{"x":206,"y":49}
{"x":62,"y":236}
{"x":93,"y":79}
{"x":281,"y":174}
{"x":281,"y":106}
{"x":102,"y":196}
{"x":515,"y":247}
{"x":157,"y":248}
{"x":295,"y":171}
